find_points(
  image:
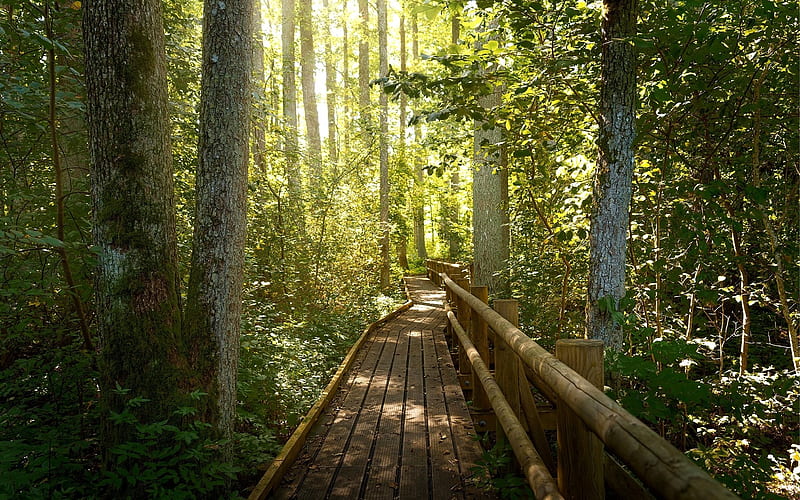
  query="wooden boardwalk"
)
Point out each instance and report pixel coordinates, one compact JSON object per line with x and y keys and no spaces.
{"x":399,"y":427}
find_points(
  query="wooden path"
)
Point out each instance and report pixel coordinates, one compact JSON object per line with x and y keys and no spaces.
{"x":399,"y":427}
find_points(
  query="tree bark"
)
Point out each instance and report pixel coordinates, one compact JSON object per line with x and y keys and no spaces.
{"x":613,"y":176}
{"x":345,"y":70}
{"x":330,"y":87}
{"x":363,"y":64}
{"x":308,"y":66}
{"x":289,"y":94}
{"x":259,"y":117}
{"x":419,"y":179}
{"x":214,"y":298}
{"x":137,"y":297}
{"x":66,"y":268}
{"x":383,"y":62}
{"x":490,"y":248}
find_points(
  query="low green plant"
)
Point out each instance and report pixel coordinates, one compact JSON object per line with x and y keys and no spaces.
{"x":492,"y":473}
{"x":173,"y":458}
{"x":48,"y":418}
{"x":735,"y":426}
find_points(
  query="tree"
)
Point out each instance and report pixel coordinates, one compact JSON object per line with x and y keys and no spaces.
{"x":614,"y":172}
{"x":214,"y":298}
{"x":383,"y":62}
{"x":308,"y":66}
{"x":419,"y":180}
{"x":363,"y":63}
{"x":59,"y":186}
{"x":289,"y":93}
{"x":137,"y":299}
{"x":259,"y":117}
{"x":490,"y":246}
{"x":330,"y":85}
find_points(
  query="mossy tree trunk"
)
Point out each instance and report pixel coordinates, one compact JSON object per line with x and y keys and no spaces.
{"x":213,"y":309}
{"x":137,"y":299}
{"x":614,"y":173}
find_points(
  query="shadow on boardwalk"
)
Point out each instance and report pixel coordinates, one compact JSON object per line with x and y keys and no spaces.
{"x":399,"y":427}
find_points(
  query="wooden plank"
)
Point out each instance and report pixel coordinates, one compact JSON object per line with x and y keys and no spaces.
{"x":318,"y":478}
{"x":412,"y":486}
{"x":445,"y":472}
{"x":467,"y":448}
{"x":289,"y":452}
{"x":385,"y":456}
{"x":348,"y":482}
{"x":580,"y":452}
{"x":414,"y":452}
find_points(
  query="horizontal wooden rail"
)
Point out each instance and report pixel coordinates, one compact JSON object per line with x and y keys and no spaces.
{"x":534,"y":468}
{"x":659,"y":465}
{"x":455,"y":271}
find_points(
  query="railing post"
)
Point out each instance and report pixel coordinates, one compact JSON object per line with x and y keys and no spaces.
{"x":506,"y":362}
{"x":465,"y":318}
{"x":480,"y":337}
{"x":580,"y":452}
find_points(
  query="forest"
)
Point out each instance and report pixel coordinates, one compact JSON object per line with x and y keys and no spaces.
{"x":203,"y":204}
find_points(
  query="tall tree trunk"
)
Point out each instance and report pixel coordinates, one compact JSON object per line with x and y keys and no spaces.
{"x":214,"y":299}
{"x":403,"y":97}
{"x":260,"y":116}
{"x":613,"y":176}
{"x":345,"y":70}
{"x":414,"y":36}
{"x":59,"y":185}
{"x":419,"y":179}
{"x":308,"y":64}
{"x":778,"y":255}
{"x":490,"y":249}
{"x":455,"y":27}
{"x":453,"y":237}
{"x":363,"y":63}
{"x":289,"y":95}
{"x":137,"y":298}
{"x":402,"y":252}
{"x":383,"y":61}
{"x":330,"y":86}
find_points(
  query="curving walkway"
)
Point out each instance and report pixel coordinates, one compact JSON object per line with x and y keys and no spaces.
{"x":399,"y":427}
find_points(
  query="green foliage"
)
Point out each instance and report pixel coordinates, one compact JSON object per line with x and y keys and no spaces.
{"x":172,"y":458}
{"x":491,"y":473}
{"x":749,"y":442}
{"x":657,"y":387}
{"x":737,"y":427}
{"x":48,"y":417}
{"x":287,"y":361}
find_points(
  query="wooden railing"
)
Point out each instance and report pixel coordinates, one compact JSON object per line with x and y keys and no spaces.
{"x":436,"y":267}
{"x":594,"y":434}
